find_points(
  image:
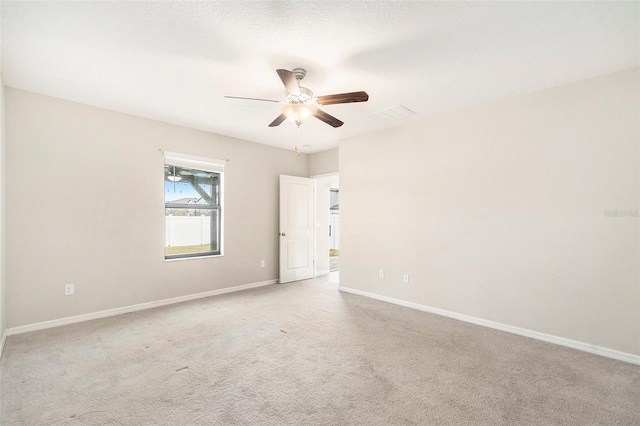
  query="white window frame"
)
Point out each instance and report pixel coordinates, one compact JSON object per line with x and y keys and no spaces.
{"x":203,"y":164}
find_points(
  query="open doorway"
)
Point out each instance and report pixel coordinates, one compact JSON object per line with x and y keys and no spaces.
{"x":334,"y":230}
{"x":327,"y":235}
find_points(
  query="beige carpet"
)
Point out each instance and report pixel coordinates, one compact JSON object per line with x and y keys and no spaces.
{"x":304,"y":354}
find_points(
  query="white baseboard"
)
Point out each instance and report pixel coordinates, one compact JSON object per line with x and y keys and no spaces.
{"x":586,"y":347}
{"x":127,"y":309}
{"x":323,"y":272}
{"x":2,"y":340}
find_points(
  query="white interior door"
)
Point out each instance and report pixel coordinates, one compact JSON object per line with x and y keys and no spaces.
{"x":296,"y":228}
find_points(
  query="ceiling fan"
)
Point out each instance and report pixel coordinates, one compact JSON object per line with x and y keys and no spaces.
{"x":301,"y":104}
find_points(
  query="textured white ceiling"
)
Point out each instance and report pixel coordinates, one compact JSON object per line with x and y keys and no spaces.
{"x":175,"y":61}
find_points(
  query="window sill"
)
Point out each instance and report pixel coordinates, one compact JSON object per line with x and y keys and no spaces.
{"x":193,"y":258}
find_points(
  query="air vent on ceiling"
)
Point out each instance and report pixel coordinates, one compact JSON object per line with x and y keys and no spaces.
{"x":395,"y":113}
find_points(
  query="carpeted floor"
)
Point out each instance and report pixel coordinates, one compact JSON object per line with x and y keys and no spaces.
{"x":304,"y":354}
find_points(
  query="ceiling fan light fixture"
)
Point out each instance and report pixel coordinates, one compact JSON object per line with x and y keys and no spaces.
{"x":174,"y":178}
{"x":298,"y":112}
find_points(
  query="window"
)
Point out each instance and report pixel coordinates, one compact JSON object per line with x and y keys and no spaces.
{"x":192,"y":206}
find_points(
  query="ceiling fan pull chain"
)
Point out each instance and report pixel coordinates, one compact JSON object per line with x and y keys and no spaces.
{"x":296,"y":145}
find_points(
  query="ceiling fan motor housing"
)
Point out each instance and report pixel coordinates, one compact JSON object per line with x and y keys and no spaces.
{"x":305,"y":96}
{"x":299,"y":73}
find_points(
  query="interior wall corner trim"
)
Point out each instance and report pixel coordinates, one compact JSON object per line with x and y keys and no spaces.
{"x":132,"y":308}
{"x":574,"y":344}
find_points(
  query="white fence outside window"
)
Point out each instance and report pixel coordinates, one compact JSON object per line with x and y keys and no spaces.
{"x":187,"y":230}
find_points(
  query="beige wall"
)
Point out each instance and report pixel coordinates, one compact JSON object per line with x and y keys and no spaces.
{"x":3,"y":311}
{"x":498,"y":212}
{"x":85,"y":206}
{"x":323,"y":162}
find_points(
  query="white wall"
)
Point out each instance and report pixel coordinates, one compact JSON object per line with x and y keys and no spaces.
{"x":498,"y":212}
{"x":323,"y":187}
{"x":324,"y":162}
{"x":84,"y":205}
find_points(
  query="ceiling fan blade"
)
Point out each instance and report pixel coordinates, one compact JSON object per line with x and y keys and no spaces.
{"x":253,"y":99}
{"x":290,"y":82}
{"x":279,"y":119}
{"x":343,"y":98}
{"x":329,"y":119}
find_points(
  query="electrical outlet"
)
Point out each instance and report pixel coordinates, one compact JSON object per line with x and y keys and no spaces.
{"x":381,"y":273}
{"x":262,"y":263}
{"x":68,"y":289}
{"x":405,"y":278}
